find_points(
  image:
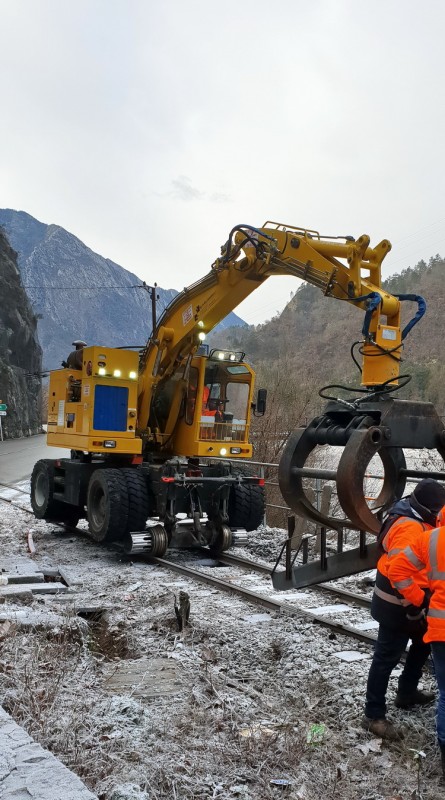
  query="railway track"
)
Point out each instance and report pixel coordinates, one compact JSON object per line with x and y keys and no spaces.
{"x":299,"y":604}
{"x":267,"y":598}
{"x":264,"y":569}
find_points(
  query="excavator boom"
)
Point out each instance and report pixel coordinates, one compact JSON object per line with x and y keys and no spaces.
{"x":251,"y":256}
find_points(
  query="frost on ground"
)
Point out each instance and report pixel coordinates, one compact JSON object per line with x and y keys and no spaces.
{"x":243,"y":705}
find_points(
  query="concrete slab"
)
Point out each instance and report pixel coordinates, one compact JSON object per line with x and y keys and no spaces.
{"x":254,"y":618}
{"x":15,"y":579}
{"x":28,"y":770}
{"x":145,"y":677}
{"x":367,"y":626}
{"x":54,"y":587}
{"x":18,"y":565}
{"x":33,"y":618}
{"x":70,"y":575}
{"x":351,"y":655}
{"x":338,"y":608}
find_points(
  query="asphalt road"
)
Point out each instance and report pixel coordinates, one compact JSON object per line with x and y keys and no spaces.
{"x":18,"y":456}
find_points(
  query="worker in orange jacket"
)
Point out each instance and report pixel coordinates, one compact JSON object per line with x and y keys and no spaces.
{"x":407,"y":519}
{"x":427,"y":552}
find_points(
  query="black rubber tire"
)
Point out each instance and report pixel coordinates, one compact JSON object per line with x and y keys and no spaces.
{"x":138,"y":499}
{"x":246,"y":506}
{"x":107,"y":505}
{"x":42,"y":491}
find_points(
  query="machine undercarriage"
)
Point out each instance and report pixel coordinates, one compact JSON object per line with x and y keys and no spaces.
{"x":145,"y":508}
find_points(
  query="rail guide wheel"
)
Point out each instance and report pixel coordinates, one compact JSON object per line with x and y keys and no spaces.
{"x":222,"y":539}
{"x":152,"y":542}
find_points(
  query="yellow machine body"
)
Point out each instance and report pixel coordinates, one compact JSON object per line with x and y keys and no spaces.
{"x":95,"y":409}
{"x":138,"y":404}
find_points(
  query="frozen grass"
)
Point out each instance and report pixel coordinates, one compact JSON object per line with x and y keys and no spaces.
{"x":250,"y":693}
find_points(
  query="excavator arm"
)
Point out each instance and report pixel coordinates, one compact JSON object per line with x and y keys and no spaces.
{"x":342,"y":267}
{"x":369,"y":424}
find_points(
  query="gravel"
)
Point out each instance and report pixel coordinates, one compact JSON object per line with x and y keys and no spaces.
{"x":242,"y":704}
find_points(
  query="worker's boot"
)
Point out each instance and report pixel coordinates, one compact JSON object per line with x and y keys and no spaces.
{"x":416,"y":698}
{"x":382,"y":727}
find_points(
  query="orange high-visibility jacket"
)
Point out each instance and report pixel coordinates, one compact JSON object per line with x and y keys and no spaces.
{"x":400,"y":535}
{"x":426,"y":552}
{"x":388,"y":605}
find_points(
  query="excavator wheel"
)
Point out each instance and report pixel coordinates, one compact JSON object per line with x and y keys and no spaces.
{"x":246,"y":506}
{"x":42,"y":491}
{"x":42,"y":500}
{"x":138,"y":499}
{"x":107,"y":505}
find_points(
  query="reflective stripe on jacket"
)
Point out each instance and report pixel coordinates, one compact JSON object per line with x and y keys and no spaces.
{"x":400,"y":535}
{"x":428,"y":552}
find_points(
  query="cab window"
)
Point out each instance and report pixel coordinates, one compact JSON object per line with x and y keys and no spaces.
{"x":237,"y":399}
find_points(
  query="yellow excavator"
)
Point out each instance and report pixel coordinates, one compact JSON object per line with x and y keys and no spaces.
{"x":159,"y":438}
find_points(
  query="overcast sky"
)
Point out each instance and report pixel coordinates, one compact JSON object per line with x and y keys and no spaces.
{"x":149,"y":129}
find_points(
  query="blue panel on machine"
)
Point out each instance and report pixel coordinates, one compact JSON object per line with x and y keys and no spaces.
{"x":110,"y":408}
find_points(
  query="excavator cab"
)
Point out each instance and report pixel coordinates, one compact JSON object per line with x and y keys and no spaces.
{"x":217,"y":407}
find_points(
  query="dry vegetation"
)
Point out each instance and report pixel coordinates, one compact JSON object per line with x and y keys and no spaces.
{"x":243,"y":715}
{"x":239,"y":723}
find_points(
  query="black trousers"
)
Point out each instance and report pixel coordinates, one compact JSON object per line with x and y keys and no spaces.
{"x":389,"y":648}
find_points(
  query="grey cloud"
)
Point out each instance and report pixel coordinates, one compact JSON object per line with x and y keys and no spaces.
{"x":219,"y":197}
{"x":184,"y":190}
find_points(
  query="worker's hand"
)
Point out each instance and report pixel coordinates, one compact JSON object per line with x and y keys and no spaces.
{"x":426,"y":600}
{"x":415,"y":613}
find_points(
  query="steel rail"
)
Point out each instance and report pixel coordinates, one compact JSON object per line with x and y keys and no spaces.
{"x":262,"y":600}
{"x":245,"y":563}
{"x":264,"y":569}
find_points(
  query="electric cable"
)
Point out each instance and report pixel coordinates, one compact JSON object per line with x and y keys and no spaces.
{"x":75,"y":288}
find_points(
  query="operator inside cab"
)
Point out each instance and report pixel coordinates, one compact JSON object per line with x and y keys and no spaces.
{"x":212,"y":406}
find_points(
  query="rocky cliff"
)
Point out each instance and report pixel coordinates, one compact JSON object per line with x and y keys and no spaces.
{"x":20,"y":352}
{"x":78,"y":294}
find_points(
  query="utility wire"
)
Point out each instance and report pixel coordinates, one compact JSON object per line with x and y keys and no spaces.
{"x":89,"y":288}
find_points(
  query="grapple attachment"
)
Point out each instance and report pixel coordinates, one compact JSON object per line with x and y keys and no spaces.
{"x":364,"y":429}
{"x":381,"y":427}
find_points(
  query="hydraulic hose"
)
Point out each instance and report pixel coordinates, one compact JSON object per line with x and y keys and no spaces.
{"x":421,"y":308}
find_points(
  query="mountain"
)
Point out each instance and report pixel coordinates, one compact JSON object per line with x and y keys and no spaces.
{"x":313,"y":335}
{"x":77,"y":293}
{"x":20,"y":352}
